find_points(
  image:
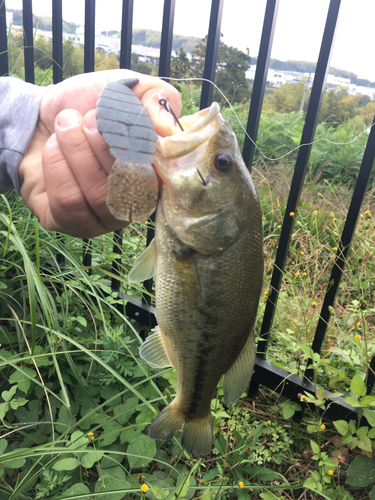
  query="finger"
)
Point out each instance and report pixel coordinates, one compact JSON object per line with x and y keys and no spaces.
{"x":96,"y":141}
{"x":65,"y":207}
{"x":83,"y":178}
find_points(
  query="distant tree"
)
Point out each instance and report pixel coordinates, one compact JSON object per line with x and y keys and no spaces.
{"x":232,"y":65}
{"x":43,"y":53}
{"x":73,"y":56}
{"x":286,"y":99}
{"x":180,"y":65}
{"x":338,"y":106}
{"x":140,"y":66}
{"x":105,"y":61}
{"x":363,"y":101}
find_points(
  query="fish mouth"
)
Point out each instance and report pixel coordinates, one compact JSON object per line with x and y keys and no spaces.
{"x":198,"y":128}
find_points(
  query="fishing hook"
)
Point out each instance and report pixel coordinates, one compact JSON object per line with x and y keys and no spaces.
{"x":164,"y":102}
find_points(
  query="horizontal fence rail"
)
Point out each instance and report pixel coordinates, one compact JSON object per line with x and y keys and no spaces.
{"x":265,"y":373}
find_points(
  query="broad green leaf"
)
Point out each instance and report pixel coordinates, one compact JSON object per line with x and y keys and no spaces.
{"x":353,"y":401}
{"x":289,"y":408}
{"x":357,"y":386}
{"x":81,"y":320}
{"x":3,"y":445}
{"x":111,"y":485}
{"x":365,"y":443}
{"x":362,"y":432}
{"x":124,"y":412}
{"x":141,"y":452}
{"x":267,"y":495}
{"x":3,"y":409}
{"x":129,"y":435}
{"x":90,"y":458}
{"x":352,"y":427}
{"x":66,"y":464}
{"x":16,"y":463}
{"x":111,"y":431}
{"x":158,"y":491}
{"x":77,"y":489}
{"x":66,"y":420}
{"x":321,"y":393}
{"x":341,"y":426}
{"x":315,"y":447}
{"x":211,"y":475}
{"x":368,"y":400}
{"x":15,"y":403}
{"x":372,"y":494}
{"x":116,"y":472}
{"x":7,"y":395}
{"x":361,"y":472}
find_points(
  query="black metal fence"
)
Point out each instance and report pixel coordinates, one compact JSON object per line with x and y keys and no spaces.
{"x":265,"y":373}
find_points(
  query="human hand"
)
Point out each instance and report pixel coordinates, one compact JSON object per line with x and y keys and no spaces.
{"x":64,"y":171}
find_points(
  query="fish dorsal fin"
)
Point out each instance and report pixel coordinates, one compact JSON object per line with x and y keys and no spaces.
{"x":153,"y":351}
{"x":237,"y":378}
{"x":144,"y":265}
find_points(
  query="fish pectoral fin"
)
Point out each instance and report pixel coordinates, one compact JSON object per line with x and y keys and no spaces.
{"x":237,"y":378}
{"x":144,"y":265}
{"x":153,"y":351}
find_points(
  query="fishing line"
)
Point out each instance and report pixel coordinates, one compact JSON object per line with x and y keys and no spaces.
{"x":243,"y":128}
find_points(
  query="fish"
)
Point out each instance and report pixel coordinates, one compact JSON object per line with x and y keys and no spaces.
{"x":207,"y":260}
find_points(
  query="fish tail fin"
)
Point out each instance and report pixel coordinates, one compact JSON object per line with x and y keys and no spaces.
{"x":167,"y":423}
{"x":197,"y":436}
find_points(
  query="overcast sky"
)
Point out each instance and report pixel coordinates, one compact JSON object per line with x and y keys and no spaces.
{"x":298,"y":34}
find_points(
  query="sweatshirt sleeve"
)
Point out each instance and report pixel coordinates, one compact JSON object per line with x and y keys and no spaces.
{"x":19,"y":111}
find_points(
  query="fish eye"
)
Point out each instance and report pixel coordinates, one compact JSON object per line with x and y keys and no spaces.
{"x":223,"y":162}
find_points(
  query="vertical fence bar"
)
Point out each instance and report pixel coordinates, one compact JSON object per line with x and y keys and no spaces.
{"x":164,"y":70}
{"x":57,"y":39}
{"x":126,"y":34}
{"x":89,"y":48}
{"x":213,"y":40}
{"x":89,"y":65}
{"x":4,"y":62}
{"x":299,"y":173}
{"x":166,"y":38}
{"x":343,"y":248}
{"x":28,"y":40}
{"x":260,"y":80}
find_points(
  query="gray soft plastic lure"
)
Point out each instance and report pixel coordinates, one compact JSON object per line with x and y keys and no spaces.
{"x":127,"y":128}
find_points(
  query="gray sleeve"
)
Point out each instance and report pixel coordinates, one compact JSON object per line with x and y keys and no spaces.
{"x":19,"y":111}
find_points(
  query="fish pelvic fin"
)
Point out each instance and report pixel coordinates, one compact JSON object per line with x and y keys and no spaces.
{"x":144,"y":265}
{"x":237,"y":378}
{"x":197,"y":436}
{"x":153,"y":351}
{"x":167,"y":423}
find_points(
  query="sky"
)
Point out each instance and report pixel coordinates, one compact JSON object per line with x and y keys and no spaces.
{"x":298,"y":33}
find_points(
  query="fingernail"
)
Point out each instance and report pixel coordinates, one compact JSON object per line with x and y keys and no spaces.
{"x":68,"y":118}
{"x":166,"y":117}
{"x":53,"y":139}
{"x":90,"y":122}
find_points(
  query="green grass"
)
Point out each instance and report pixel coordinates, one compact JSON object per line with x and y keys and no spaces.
{"x":69,"y":362}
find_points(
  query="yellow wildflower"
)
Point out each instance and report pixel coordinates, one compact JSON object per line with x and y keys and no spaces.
{"x":296,"y":322}
{"x":265,"y":293}
{"x":303,"y":397}
{"x":304,"y":274}
{"x":291,"y":214}
{"x":322,"y":427}
{"x":240,"y":484}
{"x":335,"y":248}
{"x":367,"y":212}
{"x":358,"y":337}
{"x":315,"y":212}
{"x":313,"y":303}
{"x":302,"y":253}
{"x":358,"y":324}
{"x":355,"y":310}
{"x":331,"y":213}
{"x":144,"y":488}
{"x":296,"y":275}
{"x":90,"y":435}
{"x":330,"y":472}
{"x":335,"y":218}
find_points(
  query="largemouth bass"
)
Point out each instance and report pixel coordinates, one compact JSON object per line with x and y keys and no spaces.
{"x":207,"y":259}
